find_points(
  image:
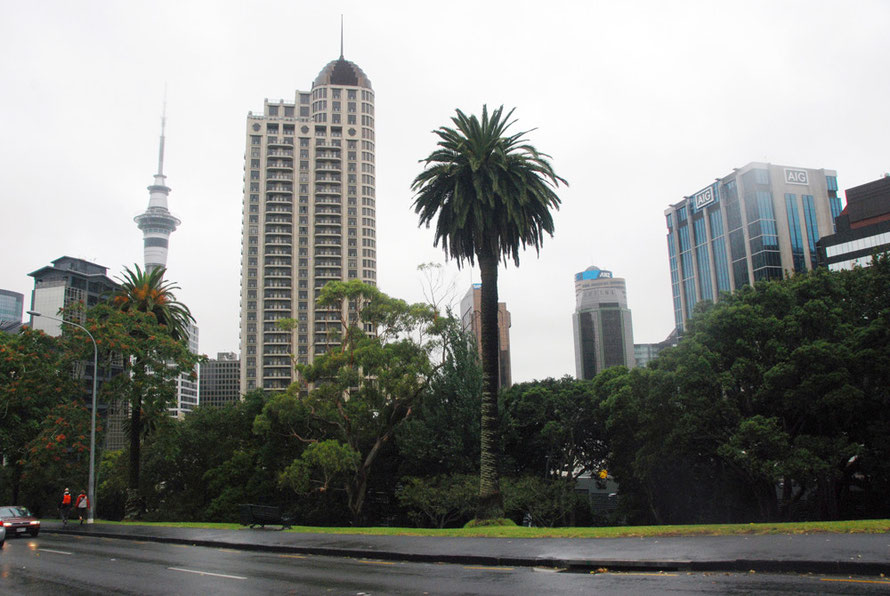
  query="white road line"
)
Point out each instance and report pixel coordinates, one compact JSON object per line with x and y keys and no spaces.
{"x":205,"y":573}
{"x":58,"y":552}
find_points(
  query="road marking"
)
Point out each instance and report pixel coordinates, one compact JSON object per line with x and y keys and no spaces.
{"x":292,"y":556}
{"x":367,"y":562}
{"x":652,"y":573}
{"x":58,"y":552}
{"x":205,"y":573}
{"x":856,"y":581}
{"x":490,"y":568}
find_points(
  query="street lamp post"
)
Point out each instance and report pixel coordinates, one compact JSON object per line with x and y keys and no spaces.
{"x":91,"y":489}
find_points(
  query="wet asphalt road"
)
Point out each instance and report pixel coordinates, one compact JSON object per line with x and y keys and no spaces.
{"x":59,"y":564}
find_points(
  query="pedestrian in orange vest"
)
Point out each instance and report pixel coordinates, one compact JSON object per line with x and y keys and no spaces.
{"x":82,"y":504}
{"x":65,"y":507}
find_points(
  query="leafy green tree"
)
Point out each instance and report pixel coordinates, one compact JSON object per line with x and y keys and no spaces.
{"x":442,"y":436}
{"x":151,"y":358}
{"x":541,"y":502}
{"x":149,"y":293}
{"x":781,"y":385}
{"x":350,"y":400}
{"x":35,"y":377}
{"x":491,"y":193}
{"x":57,"y":457}
{"x":553,"y":431}
{"x":439,"y":501}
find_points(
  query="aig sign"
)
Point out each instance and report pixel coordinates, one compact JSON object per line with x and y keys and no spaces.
{"x":796,"y":177}
{"x":704,"y":198}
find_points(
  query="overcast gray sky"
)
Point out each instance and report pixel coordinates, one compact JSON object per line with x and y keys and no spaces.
{"x":638,"y":103}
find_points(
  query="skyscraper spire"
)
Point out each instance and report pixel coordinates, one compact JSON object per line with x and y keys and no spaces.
{"x":341,"y":37}
{"x":157,"y":223}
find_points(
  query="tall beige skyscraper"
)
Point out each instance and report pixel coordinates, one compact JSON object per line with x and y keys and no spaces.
{"x":471,"y":320}
{"x":601,"y":324}
{"x":309,"y":217}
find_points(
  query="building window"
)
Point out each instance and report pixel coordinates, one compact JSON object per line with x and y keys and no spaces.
{"x":809,"y":213}
{"x":794,"y":232}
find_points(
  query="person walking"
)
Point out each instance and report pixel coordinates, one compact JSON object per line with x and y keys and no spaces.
{"x":65,"y":507}
{"x":82,"y":503}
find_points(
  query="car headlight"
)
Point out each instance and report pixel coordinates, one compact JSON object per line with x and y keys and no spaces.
{"x":35,"y":523}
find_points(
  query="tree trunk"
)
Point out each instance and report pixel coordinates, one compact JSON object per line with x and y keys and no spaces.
{"x":135,"y":432}
{"x":133,"y":505}
{"x":16,"y":478}
{"x":491,"y":504}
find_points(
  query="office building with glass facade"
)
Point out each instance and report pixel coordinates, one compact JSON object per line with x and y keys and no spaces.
{"x":11,"y":309}
{"x":220,"y":380}
{"x":760,"y":222}
{"x":863,"y":228}
{"x":70,"y":282}
{"x":309,"y":217}
{"x":601,"y":325}
{"x":471,"y":320}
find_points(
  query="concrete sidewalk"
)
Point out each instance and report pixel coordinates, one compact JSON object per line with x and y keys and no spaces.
{"x":860,"y":554}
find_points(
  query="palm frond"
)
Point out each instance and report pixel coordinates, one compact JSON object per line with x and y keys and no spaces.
{"x":488,"y":191}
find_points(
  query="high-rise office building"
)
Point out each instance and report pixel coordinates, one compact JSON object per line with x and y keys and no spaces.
{"x":757,"y":223}
{"x":68,"y":281}
{"x":309,"y":217}
{"x":11,"y":309}
{"x":601,"y":325}
{"x":471,"y":320}
{"x":646,"y":353}
{"x":863,"y":228}
{"x":220,"y":380}
{"x":187,"y":390}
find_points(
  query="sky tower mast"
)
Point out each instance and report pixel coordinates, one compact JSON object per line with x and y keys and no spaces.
{"x":157,"y":223}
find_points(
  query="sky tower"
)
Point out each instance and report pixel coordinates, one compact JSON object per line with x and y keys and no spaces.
{"x":157,"y":223}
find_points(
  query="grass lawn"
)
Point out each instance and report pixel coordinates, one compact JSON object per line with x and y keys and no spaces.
{"x":871,"y":526}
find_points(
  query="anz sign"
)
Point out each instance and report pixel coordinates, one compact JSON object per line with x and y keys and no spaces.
{"x":705,"y":197}
{"x":796,"y":177}
{"x":593,"y":273}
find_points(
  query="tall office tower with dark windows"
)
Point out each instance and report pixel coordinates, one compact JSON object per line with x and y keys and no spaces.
{"x":471,"y":320}
{"x":757,"y":223}
{"x":601,"y":324}
{"x":220,"y":380}
{"x":309,"y":217}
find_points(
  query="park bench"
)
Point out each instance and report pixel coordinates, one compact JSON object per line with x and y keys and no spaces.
{"x":262,"y":515}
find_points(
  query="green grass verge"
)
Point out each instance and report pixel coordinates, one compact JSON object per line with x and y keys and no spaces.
{"x":872,"y":526}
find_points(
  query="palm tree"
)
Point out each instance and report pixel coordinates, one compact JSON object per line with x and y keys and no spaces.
{"x":147,"y":291}
{"x":491,"y":192}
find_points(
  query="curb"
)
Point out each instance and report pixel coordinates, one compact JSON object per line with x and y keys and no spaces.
{"x":569,"y":565}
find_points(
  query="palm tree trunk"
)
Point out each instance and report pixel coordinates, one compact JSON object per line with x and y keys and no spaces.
{"x":135,"y":432}
{"x":133,"y":504}
{"x":491,"y":504}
